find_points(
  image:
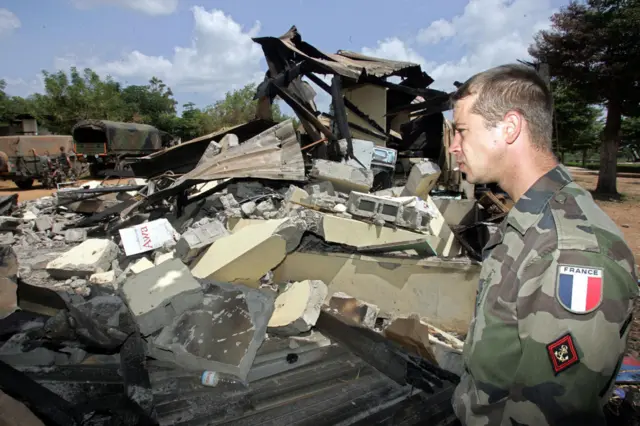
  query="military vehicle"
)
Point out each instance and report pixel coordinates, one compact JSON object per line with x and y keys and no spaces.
{"x":24,"y":159}
{"x":109,"y":145}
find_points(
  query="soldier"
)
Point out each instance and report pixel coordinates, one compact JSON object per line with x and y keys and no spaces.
{"x":557,"y":285}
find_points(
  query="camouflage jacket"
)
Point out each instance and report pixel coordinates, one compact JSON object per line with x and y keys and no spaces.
{"x":553,"y":310}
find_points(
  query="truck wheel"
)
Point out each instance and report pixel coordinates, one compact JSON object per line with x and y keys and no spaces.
{"x":24,"y":183}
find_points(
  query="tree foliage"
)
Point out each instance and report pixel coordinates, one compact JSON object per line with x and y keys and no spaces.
{"x":594,"y":48}
{"x":70,"y":97}
{"x":576,"y":124}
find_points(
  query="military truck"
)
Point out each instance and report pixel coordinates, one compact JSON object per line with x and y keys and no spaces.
{"x":109,"y":145}
{"x":24,"y":159}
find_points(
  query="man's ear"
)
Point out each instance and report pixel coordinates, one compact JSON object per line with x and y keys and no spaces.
{"x":512,"y":126}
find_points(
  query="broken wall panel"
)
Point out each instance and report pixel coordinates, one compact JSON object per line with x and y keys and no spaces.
{"x":442,"y":291}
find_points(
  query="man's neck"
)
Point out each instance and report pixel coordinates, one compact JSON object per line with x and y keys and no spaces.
{"x":524,"y":174}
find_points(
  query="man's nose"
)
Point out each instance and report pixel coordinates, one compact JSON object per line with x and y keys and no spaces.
{"x":455,"y":144}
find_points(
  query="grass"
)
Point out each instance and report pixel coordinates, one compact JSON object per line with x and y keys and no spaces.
{"x":622,"y":168}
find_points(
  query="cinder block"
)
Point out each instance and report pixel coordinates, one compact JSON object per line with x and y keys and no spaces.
{"x":422,"y":179}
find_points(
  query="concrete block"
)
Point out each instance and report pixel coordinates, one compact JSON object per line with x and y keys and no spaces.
{"x":141,"y":265}
{"x":84,"y":260}
{"x":75,"y":235}
{"x":449,"y":245}
{"x":362,"y":150}
{"x":44,"y":223}
{"x":29,"y":215}
{"x":156,"y":296}
{"x":297,"y":308}
{"x":320,"y":188}
{"x":265,"y":207}
{"x":248,"y":208}
{"x":371,"y":206}
{"x":103,"y":278}
{"x":163,"y":257}
{"x":195,"y":240}
{"x":422,"y":179}
{"x":222,"y":334}
{"x":362,"y":313}
{"x":291,"y":231}
{"x":244,"y":256}
{"x":295,"y":195}
{"x":439,"y":290}
{"x":9,"y":223}
{"x":344,"y":177}
{"x":369,"y":237}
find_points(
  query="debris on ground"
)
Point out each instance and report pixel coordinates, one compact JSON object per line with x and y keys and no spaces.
{"x":327,"y":259}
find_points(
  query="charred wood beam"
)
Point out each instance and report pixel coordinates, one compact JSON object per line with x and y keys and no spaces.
{"x":303,"y":112}
{"x":440,"y":103}
{"x":347,"y":103}
{"x":283,"y":79}
{"x":341,"y":115}
{"x":43,"y":402}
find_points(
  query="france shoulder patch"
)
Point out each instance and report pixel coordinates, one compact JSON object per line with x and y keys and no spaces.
{"x":579,"y":289}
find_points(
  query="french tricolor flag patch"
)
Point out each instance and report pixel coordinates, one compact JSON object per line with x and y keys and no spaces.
{"x":579,"y":288}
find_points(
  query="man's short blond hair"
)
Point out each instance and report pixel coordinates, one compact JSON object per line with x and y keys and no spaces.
{"x":512,"y":87}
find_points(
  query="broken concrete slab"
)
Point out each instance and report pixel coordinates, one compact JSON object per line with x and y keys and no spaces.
{"x":223,"y":334}
{"x":437,"y":225}
{"x":9,"y":223}
{"x":298,"y":307}
{"x":75,"y":235}
{"x":441,"y":291}
{"x":29,"y":215}
{"x":361,"y":313}
{"x":318,"y":188}
{"x":163,"y":257}
{"x":344,"y":177}
{"x":196,"y":239}
{"x":422,"y":179}
{"x":408,"y":212}
{"x":159,"y":294}
{"x":244,"y":256}
{"x":248,"y":208}
{"x":44,"y":223}
{"x":370,"y":237}
{"x":8,"y":297}
{"x":295,"y":195}
{"x":265,"y":207}
{"x":141,"y":265}
{"x":103,"y":278}
{"x":84,"y":260}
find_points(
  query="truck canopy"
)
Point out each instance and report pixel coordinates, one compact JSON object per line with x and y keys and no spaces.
{"x":23,"y":145}
{"x":119,"y":137}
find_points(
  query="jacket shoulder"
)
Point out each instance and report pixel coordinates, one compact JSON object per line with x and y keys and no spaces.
{"x":582,"y":225}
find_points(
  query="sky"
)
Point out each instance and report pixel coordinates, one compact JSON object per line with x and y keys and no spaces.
{"x":203,"y":49}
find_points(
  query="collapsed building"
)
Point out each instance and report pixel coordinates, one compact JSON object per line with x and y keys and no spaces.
{"x":326,"y":272}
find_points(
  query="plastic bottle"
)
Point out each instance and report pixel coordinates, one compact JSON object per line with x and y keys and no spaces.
{"x":215,"y":378}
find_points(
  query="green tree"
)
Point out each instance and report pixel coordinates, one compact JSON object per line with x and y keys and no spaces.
{"x":238,"y":107}
{"x":630,"y":137}
{"x":68,"y":99}
{"x":594,"y":47}
{"x":151,"y":104}
{"x":576,"y":124}
{"x":12,"y":106}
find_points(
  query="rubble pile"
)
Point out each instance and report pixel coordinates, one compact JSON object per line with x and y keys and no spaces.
{"x":255,"y":257}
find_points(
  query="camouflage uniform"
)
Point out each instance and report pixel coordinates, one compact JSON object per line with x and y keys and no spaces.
{"x":535,"y":354}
